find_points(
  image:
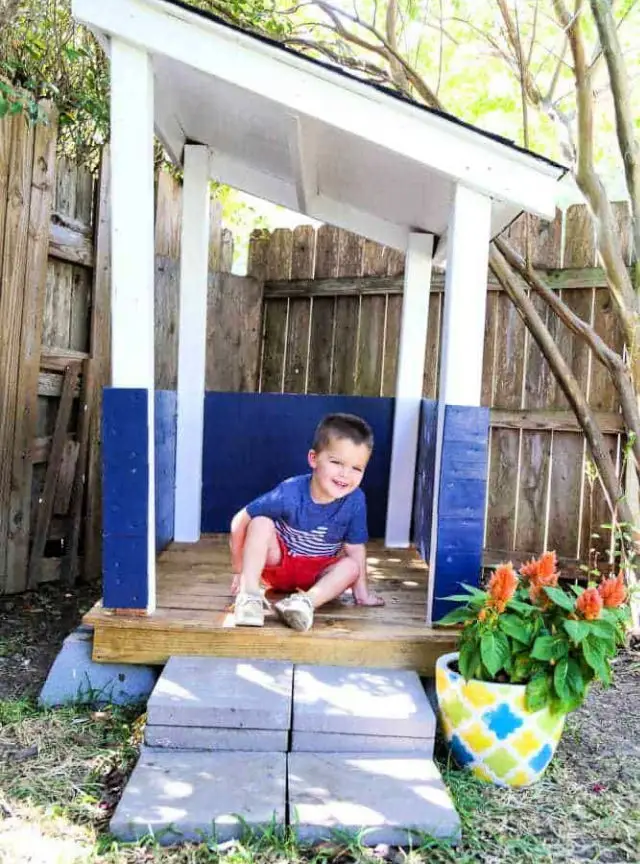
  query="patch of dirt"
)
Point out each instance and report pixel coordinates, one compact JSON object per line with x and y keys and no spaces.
{"x":32,"y":629}
{"x":605,"y":733}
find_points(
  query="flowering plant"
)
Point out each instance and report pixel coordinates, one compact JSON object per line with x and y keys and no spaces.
{"x":525,"y":629}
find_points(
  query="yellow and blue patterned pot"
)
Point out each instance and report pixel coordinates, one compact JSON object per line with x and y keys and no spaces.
{"x":490,"y":730}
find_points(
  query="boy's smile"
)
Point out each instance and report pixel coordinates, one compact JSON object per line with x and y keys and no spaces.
{"x":337,"y":469}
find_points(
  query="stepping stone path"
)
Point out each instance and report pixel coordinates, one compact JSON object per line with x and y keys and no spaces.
{"x":215,"y":703}
{"x":225,"y":740}
{"x":337,"y":709}
{"x":184,"y":795}
{"x":390,"y":797}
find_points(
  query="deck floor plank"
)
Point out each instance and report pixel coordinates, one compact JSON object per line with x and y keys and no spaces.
{"x":194,"y":616}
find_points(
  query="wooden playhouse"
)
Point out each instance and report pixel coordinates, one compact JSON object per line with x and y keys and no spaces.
{"x":245,"y":111}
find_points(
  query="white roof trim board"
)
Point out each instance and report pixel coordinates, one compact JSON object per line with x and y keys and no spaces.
{"x":310,"y":137}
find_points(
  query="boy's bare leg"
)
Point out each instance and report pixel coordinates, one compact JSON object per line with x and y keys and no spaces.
{"x":363,"y":595}
{"x":334,"y":581}
{"x":297,"y":610}
{"x":261,"y":548}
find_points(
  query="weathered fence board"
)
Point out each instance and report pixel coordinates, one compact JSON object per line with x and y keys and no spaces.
{"x":100,"y":348}
{"x":234,"y":319}
{"x":29,"y":353}
{"x":12,"y":276}
{"x":348,"y":310}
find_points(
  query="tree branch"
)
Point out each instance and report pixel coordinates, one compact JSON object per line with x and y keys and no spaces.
{"x":398,"y":73}
{"x":566,"y":379}
{"x":591,"y":186}
{"x":624,"y":116}
{"x":384,"y":49}
{"x":609,"y":358}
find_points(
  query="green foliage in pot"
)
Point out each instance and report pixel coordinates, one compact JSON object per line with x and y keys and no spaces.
{"x":526,"y":629}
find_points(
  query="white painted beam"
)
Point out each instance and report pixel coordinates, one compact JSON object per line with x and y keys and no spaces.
{"x":463,"y":326}
{"x":232,"y":171}
{"x":303,"y":163}
{"x":409,"y":383}
{"x":449,"y":148}
{"x":132,"y":244}
{"x":192,"y":329}
{"x":465,"y":299}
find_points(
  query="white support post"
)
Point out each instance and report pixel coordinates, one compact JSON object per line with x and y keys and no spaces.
{"x":465,"y":296}
{"x":194,"y":270}
{"x":132,"y":239}
{"x":409,"y":378}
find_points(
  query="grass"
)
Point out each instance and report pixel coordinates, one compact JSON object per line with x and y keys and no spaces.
{"x":62,"y":771}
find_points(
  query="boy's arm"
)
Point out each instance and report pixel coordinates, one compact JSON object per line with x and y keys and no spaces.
{"x":362,"y":594}
{"x":239,"y":525}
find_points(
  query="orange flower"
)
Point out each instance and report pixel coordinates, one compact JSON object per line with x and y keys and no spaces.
{"x":548,"y":570}
{"x":537,"y":595}
{"x":530,"y":569}
{"x":482,"y":614}
{"x":502,"y":586}
{"x":613,"y":591}
{"x":541,"y":573}
{"x":589,"y":603}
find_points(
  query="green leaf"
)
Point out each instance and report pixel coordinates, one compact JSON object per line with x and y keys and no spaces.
{"x":560,"y":675}
{"x":575,"y":680}
{"x":469,"y":661}
{"x":568,"y":683}
{"x":4,"y":106}
{"x":494,"y":650}
{"x":595,"y":655}
{"x":577,"y":630}
{"x":476,"y":592}
{"x":558,"y":596}
{"x":523,"y":608}
{"x":577,"y":589}
{"x":514,"y":627}
{"x":455,"y":616}
{"x":602,"y":628}
{"x":549,"y":648}
{"x":538,"y":692}
{"x":521,"y":668}
{"x":458,"y":598}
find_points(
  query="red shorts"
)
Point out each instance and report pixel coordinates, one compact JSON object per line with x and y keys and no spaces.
{"x":296,"y":571}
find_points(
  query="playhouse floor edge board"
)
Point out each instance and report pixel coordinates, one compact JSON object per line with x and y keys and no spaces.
{"x":194,"y":616}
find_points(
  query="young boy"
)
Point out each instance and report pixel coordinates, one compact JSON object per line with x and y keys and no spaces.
{"x":307,"y":536}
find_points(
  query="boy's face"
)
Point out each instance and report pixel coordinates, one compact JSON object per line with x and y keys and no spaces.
{"x":339,"y":468}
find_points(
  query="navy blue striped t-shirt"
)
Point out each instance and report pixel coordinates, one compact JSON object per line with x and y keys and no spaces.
{"x":307,"y":528}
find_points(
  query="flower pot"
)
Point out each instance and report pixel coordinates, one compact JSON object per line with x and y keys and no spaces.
{"x":489,"y":729}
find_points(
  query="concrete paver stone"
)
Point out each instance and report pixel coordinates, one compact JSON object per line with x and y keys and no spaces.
{"x":222,"y":692}
{"x":361,"y":702}
{"x":207,"y":738}
{"x":335,"y":742}
{"x":75,"y":677}
{"x":386,"y":799}
{"x":180,"y":796}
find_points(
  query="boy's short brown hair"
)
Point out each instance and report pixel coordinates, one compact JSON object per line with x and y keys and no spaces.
{"x":348,"y":426}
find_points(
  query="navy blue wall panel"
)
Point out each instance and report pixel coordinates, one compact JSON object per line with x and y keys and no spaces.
{"x":425,"y":473}
{"x":254,"y":441}
{"x":463,"y":489}
{"x":125,"y":484}
{"x":166,"y":402}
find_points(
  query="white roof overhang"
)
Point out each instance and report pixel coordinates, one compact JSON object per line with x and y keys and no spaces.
{"x":312,"y":139}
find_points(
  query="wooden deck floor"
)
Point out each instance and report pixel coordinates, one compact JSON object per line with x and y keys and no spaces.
{"x":194,"y":616}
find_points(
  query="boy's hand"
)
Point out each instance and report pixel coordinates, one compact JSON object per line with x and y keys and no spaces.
{"x":362,"y":594}
{"x":365,"y":597}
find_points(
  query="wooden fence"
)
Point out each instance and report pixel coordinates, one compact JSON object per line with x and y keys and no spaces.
{"x":332,"y":304}
{"x":54,"y":349}
{"x":328,"y":323}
